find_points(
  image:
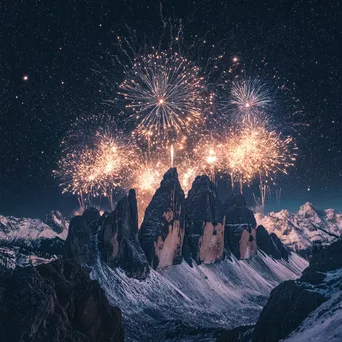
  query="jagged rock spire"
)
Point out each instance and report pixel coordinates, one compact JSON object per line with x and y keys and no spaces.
{"x":162,"y":230}
{"x":204,"y":223}
{"x":118,"y":238}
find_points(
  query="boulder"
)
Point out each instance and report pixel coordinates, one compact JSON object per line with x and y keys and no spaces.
{"x":118,"y":239}
{"x":56,"y":302}
{"x":162,"y":230}
{"x":204,"y":223}
{"x":271,"y":244}
{"x":240,"y":228}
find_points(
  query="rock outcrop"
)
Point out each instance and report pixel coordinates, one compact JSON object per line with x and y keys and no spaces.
{"x":240,"y":228}
{"x":56,"y":221}
{"x":118,"y":239}
{"x":291,"y":303}
{"x":162,"y":231}
{"x":204,"y":224}
{"x":56,"y":302}
{"x":271,"y":244}
{"x":79,"y":243}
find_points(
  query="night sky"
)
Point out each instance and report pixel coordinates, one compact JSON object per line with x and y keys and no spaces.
{"x":49,"y":49}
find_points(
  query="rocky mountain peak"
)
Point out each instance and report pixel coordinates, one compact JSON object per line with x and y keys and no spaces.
{"x":307,"y":209}
{"x":204,"y":223}
{"x":118,"y":239}
{"x":56,"y":221}
{"x":162,"y":230}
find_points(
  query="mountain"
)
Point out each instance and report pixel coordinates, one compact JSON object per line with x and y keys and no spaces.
{"x":309,"y":309}
{"x":196,"y":267}
{"x":305,"y":230}
{"x":25,"y":241}
{"x":55,"y":302}
{"x":180,"y":302}
{"x":202,"y":271}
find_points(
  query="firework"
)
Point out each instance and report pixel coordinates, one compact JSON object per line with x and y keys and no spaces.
{"x":258,"y":151}
{"x":147,"y":177}
{"x":95,"y":162}
{"x":164,"y":92}
{"x":249,"y":96}
{"x":208,"y":156}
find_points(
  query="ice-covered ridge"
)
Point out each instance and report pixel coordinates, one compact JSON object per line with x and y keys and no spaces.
{"x":14,"y":228}
{"x":222,"y":295}
{"x":305,"y":228}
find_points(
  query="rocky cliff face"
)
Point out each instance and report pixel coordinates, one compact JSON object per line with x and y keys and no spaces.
{"x":204,"y":223}
{"x":271,"y":244}
{"x":56,"y":302}
{"x":240,"y":228}
{"x":79,"y":245}
{"x":305,"y":230}
{"x":56,"y":221}
{"x":309,"y":308}
{"x":162,"y":230}
{"x":118,"y":239}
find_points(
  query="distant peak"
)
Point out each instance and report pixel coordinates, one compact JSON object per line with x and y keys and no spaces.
{"x":307,"y":207}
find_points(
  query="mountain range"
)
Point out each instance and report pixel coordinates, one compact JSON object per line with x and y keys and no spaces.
{"x":196,"y":270}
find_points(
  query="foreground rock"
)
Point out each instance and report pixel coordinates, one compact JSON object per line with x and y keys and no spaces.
{"x":118,"y":239}
{"x":310,"y":308}
{"x":204,"y":223}
{"x":240,"y":228}
{"x":271,"y":244}
{"x":56,"y":302}
{"x":162,"y":231}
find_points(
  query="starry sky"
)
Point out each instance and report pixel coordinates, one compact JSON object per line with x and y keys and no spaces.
{"x":49,"y":49}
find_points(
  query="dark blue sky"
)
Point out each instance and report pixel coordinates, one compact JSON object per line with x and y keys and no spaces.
{"x":56,"y":43}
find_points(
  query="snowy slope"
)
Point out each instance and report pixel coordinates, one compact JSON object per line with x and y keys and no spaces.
{"x":26,"y":241}
{"x":324,"y":324}
{"x":223,"y":295}
{"x":305,"y":228}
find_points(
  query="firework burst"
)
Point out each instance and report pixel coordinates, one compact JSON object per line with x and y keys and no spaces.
{"x":146,"y":180}
{"x":94,"y":165}
{"x":248,"y":95}
{"x":256,"y":151}
{"x":164,"y":91}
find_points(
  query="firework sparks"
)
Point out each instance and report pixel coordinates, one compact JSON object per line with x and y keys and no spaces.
{"x":97,"y":164}
{"x":250,"y":95}
{"x":256,"y":151}
{"x":146,"y":181}
{"x":164,"y":91}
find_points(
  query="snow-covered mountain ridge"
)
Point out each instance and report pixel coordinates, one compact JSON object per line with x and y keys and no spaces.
{"x":305,"y":229}
{"x":31,"y":241}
